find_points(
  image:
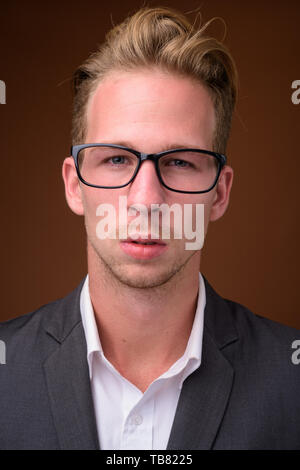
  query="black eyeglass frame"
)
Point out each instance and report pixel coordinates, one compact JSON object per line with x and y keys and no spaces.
{"x":75,"y":149}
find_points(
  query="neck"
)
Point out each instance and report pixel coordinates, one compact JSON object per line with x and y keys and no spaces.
{"x":143,"y":331}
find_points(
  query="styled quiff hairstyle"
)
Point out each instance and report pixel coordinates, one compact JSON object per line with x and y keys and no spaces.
{"x":165,"y":39}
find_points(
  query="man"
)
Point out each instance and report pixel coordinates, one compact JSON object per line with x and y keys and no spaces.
{"x":144,"y":354}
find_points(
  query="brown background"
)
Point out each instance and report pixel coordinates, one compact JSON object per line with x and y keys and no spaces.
{"x":251,"y":255}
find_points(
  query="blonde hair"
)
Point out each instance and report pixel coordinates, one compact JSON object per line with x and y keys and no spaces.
{"x":164,"y":38}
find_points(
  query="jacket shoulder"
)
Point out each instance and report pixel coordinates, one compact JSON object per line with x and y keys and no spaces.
{"x":252,"y":324}
{"x":28,"y":335}
{"x":256,"y":342}
{"x":227,"y":317}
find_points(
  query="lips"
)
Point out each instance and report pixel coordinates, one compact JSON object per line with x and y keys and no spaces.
{"x":142,"y":243}
{"x":145,"y":241}
{"x":143,"y":248}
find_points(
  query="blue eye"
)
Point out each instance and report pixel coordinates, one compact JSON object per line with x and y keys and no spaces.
{"x":117,"y":160}
{"x":181,"y":162}
{"x":178,"y":163}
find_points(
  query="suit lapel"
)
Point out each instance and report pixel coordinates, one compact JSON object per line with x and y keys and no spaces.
{"x":68,"y":380}
{"x":202,"y":402}
{"x":205,"y":393}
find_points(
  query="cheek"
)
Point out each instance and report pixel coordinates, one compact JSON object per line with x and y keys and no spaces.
{"x":207,"y":202}
{"x":196,"y":213}
{"x":207,"y":210}
{"x":92,"y":198}
{"x":101,"y":213}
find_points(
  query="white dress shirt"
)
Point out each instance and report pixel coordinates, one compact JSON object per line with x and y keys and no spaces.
{"x":127,"y":418}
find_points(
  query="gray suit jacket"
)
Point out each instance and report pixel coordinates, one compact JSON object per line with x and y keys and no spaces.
{"x":245,"y":395}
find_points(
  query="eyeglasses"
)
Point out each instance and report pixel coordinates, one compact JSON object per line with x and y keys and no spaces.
{"x":114,"y":166}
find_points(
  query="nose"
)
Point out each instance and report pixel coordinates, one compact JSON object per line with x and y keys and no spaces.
{"x":146,"y":188}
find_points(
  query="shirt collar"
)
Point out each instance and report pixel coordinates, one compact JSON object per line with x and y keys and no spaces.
{"x":185,"y":365}
{"x":89,"y":324}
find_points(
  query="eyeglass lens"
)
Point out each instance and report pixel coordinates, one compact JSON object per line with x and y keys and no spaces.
{"x":184,"y":171}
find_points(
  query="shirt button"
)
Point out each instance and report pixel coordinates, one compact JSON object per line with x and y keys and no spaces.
{"x":137,"y":420}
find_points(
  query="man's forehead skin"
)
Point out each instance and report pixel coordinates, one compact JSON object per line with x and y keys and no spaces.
{"x":151,"y":98}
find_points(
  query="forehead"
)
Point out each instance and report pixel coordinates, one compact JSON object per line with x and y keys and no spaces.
{"x":145,"y":103}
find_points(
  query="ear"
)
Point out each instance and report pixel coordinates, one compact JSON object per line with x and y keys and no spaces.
{"x":72,"y":186}
{"x":221,"y":199}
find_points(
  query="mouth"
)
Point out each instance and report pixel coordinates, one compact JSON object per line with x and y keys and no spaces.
{"x":143,"y":248}
{"x":145,"y":241}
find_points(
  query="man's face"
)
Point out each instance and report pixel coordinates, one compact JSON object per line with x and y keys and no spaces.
{"x":149,"y":111}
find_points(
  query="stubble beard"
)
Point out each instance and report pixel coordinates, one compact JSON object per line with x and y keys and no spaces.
{"x":120,"y":275}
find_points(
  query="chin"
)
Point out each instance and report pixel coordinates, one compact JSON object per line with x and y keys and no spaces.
{"x":142,"y":276}
{"x":139,"y":275}
{"x":142,"y":281}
